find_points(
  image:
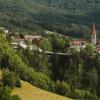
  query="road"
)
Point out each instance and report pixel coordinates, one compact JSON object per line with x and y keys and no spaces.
{"x":56,"y":53}
{"x":53,"y":53}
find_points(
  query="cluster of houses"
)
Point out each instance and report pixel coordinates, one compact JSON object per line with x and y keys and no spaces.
{"x":20,"y":40}
{"x":25,"y":41}
{"x":4,"y":30}
{"x":81,"y":44}
{"x":78,"y":44}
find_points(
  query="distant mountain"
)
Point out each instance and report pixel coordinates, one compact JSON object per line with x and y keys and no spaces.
{"x":75,"y":6}
{"x":69,"y":17}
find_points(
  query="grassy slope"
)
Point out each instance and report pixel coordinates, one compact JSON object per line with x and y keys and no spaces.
{"x":29,"y":92}
{"x":0,"y":74}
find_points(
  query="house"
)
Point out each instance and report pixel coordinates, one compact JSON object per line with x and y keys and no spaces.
{"x":15,"y":42}
{"x":98,"y":48}
{"x":78,"y":44}
{"x":22,"y":44}
{"x":33,"y":38}
{"x":4,"y":30}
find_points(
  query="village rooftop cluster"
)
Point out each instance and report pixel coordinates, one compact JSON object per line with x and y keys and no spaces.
{"x":20,"y":40}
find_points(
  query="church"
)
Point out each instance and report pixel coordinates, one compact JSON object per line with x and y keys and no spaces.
{"x":94,"y":38}
{"x":93,"y":35}
{"x":81,"y":44}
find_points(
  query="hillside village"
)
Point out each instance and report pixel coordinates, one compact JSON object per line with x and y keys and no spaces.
{"x":21,"y":40}
{"x":61,"y":65}
{"x":49,"y":50}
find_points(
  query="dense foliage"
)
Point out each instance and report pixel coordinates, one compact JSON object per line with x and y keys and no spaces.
{"x":71,"y":17}
{"x":76,"y":75}
{"x":5,"y":94}
{"x":10,"y":79}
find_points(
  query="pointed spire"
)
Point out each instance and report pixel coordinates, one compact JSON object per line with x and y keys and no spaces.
{"x":93,"y":35}
{"x":93,"y":29}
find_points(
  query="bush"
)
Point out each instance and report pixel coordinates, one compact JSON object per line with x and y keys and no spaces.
{"x":18,"y":82}
{"x":83,"y":95}
{"x":5,"y":94}
{"x":38,"y":79}
{"x":10,"y":79}
{"x":63,"y":88}
{"x":90,"y":96}
{"x":16,"y":97}
{"x":79,"y":94}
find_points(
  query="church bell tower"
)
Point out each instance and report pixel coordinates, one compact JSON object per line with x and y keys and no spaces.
{"x":93,"y":34}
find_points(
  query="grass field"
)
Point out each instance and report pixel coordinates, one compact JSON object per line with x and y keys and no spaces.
{"x":29,"y":92}
{"x":0,"y":74}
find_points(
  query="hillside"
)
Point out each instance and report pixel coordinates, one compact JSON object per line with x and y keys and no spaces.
{"x":75,"y":6}
{"x":75,"y":75}
{"x":29,"y":92}
{"x":14,"y":63}
{"x":64,"y":16}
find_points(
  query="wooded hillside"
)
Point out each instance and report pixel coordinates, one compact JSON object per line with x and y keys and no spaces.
{"x":69,"y":17}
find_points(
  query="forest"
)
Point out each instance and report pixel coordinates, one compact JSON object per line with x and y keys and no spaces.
{"x":76,"y":76}
{"x":69,"y":17}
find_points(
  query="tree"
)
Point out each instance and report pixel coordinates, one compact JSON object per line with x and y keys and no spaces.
{"x":90,"y":48}
{"x":10,"y":79}
{"x":63,"y":88}
{"x":38,"y":61}
{"x":5,"y":61}
{"x":5,"y":94}
{"x":16,"y":97}
{"x":59,"y":43}
{"x":72,"y":73}
{"x":91,"y":80}
{"x":83,"y":95}
{"x":45,"y":44}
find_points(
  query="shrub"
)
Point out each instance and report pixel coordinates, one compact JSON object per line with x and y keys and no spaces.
{"x":79,"y":94}
{"x":10,"y":79}
{"x":37,"y":79}
{"x":18,"y":82}
{"x":5,"y":94}
{"x":16,"y":97}
{"x":63,"y":88}
{"x":90,"y":96}
{"x":83,"y":95}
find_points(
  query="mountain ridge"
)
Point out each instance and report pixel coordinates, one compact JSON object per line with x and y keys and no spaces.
{"x":34,"y":16}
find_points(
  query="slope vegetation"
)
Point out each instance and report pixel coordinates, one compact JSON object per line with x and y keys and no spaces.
{"x":60,"y":15}
{"x":30,"y":92}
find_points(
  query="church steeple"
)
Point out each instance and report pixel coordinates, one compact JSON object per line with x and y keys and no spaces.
{"x":93,"y":34}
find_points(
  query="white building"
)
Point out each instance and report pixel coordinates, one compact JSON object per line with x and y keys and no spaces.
{"x":4,"y":30}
